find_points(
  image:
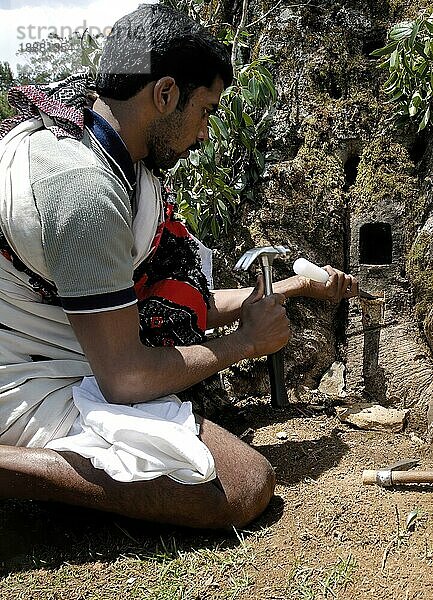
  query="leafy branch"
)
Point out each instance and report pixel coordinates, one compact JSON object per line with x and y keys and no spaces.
{"x":408,"y":58}
{"x":236,"y":40}
{"x":191,"y":7}
{"x":213,"y":181}
{"x":232,"y":161}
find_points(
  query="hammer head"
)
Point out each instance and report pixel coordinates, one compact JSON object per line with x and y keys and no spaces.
{"x":266,"y":252}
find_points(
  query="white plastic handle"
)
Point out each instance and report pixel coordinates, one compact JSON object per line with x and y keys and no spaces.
{"x":304,"y":267}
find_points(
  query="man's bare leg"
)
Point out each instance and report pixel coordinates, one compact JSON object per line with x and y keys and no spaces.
{"x":244,"y":487}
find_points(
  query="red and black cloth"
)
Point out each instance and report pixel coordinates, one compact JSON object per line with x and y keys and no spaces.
{"x":172,"y":291}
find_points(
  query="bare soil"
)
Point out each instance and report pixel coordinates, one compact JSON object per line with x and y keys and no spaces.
{"x":322,"y":517}
{"x":327,"y":514}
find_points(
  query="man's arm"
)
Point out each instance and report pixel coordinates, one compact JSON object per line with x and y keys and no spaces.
{"x":226,"y":304}
{"x":128,"y":372}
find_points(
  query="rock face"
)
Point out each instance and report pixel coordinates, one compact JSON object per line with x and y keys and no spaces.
{"x":343,"y":187}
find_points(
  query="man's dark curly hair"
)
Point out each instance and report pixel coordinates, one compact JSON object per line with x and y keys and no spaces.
{"x":157,"y":41}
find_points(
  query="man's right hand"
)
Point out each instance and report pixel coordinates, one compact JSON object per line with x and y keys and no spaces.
{"x":264,"y":323}
{"x":128,"y":372}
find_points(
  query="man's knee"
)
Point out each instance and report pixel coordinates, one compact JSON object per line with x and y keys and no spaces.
{"x":263,"y":479}
{"x":249,"y":503}
{"x":210,"y":506}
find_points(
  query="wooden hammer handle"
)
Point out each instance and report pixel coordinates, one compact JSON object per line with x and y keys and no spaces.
{"x":399,"y":477}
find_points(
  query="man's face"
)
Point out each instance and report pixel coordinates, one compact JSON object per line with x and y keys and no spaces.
{"x":173,"y":136}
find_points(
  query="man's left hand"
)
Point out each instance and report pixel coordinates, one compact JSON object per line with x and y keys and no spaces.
{"x":339,"y":286}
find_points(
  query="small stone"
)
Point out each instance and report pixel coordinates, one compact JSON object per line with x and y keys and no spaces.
{"x":282,"y":435}
{"x":415,"y":439}
{"x":332,"y":382}
{"x":373,"y":417}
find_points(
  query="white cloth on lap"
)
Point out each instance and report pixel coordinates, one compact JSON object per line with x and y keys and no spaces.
{"x":138,"y":442}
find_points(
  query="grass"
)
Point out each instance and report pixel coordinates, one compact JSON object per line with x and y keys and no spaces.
{"x":201,"y":574}
{"x":305,"y":583}
{"x":163,"y":567}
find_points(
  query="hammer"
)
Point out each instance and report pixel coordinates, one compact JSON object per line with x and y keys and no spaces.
{"x":398,"y":474}
{"x":266,"y":257}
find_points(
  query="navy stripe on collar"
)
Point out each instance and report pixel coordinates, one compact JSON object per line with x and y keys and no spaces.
{"x":111,"y":142}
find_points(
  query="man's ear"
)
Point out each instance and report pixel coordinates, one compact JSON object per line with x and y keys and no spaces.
{"x":166,"y":95}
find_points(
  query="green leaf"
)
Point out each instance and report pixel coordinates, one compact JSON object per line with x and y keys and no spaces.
{"x":419,"y":47}
{"x":237,"y":107}
{"x":260,"y":159}
{"x":401,"y":31}
{"x":388,"y":49}
{"x":407,"y":65}
{"x":271,"y":89}
{"x":422,"y":69}
{"x":222,"y":207}
{"x":395,"y":97}
{"x":194,"y":158}
{"x":253,"y":87}
{"x":391,"y":81}
{"x":246,"y":141}
{"x":394,"y":60}
{"x":429,"y":25}
{"x":243,"y":78}
{"x":416,"y":99}
{"x":415,"y":30}
{"x":214,"y":228}
{"x":247,"y":119}
{"x":425,"y":120}
{"x":248,"y":96}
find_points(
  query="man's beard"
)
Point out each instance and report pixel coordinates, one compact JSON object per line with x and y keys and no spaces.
{"x":161,"y":155}
{"x":161,"y":159}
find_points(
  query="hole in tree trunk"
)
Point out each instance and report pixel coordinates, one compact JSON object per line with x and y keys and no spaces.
{"x":375,"y":244}
{"x":418,"y":148}
{"x":351,"y":171}
{"x":372,"y":44}
{"x":334,"y":89}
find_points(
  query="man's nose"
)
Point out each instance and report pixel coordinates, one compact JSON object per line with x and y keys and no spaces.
{"x":203,"y":134}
